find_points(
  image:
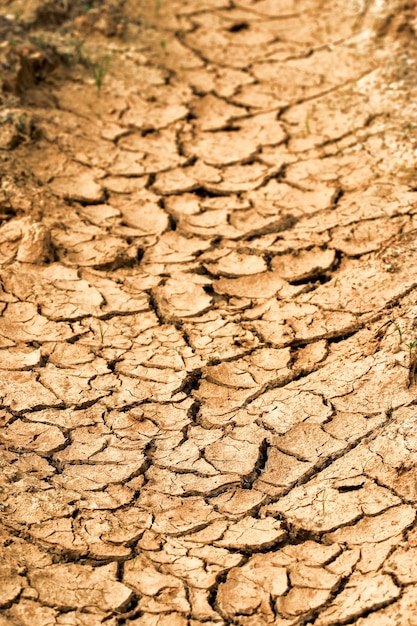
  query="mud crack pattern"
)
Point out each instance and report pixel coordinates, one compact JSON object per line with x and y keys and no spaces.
{"x":208,"y":274}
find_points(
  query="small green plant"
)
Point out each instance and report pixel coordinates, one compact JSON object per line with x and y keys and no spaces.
{"x":399,"y":330}
{"x":359,"y":312}
{"x":323,"y":501}
{"x":307,"y":124}
{"x":85,"y":6}
{"x":411,"y":347}
{"x":365,"y":464}
{"x":412,"y":354}
{"x":412,"y":361}
{"x":99,"y":69}
{"x":102,"y":331}
{"x":78,"y":49}
{"x":39,"y":40}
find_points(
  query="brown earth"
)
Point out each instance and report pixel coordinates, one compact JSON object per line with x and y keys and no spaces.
{"x":208,"y":324}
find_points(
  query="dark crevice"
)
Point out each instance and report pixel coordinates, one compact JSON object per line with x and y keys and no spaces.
{"x":284,"y":222}
{"x":248,"y":480}
{"x":338,"y":194}
{"x":347,"y":488}
{"x":172,"y":223}
{"x":150,"y":181}
{"x":230,"y":128}
{"x":204,"y":193}
{"x":153,"y":304}
{"x":129,"y":610}
{"x":209,"y":288}
{"x":298,"y":535}
{"x":192,"y":382}
{"x":238,"y":27}
{"x":319,"y":279}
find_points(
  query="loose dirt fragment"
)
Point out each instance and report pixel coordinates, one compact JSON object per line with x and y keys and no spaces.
{"x":152,"y":116}
{"x":169,"y":619}
{"x":11,"y":585}
{"x":235,"y":264}
{"x":374,"y":529}
{"x":362,"y":593}
{"x":40,"y":438}
{"x":263,"y":285}
{"x":143,"y":213}
{"x":81,"y":187}
{"x":252,"y":534}
{"x":308,"y":264}
{"x":21,"y":392}
{"x":75,"y":586}
{"x":25,"y":240}
{"x":330,"y":507}
{"x":402,"y":609}
{"x":160,"y":592}
{"x":182,"y":297}
{"x":403,"y":565}
{"x":27,"y":612}
{"x":301,"y":600}
{"x":247,"y":590}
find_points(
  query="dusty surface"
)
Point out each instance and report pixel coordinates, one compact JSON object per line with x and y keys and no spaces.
{"x":208,"y":264}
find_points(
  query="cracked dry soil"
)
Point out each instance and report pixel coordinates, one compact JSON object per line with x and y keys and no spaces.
{"x":208,"y":264}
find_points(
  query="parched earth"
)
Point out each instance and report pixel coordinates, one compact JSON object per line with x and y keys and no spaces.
{"x":208,"y":331}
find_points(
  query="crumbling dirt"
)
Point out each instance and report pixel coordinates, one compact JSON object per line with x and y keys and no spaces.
{"x":208,"y":335}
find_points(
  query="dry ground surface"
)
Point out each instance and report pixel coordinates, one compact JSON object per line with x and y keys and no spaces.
{"x":208,"y":331}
